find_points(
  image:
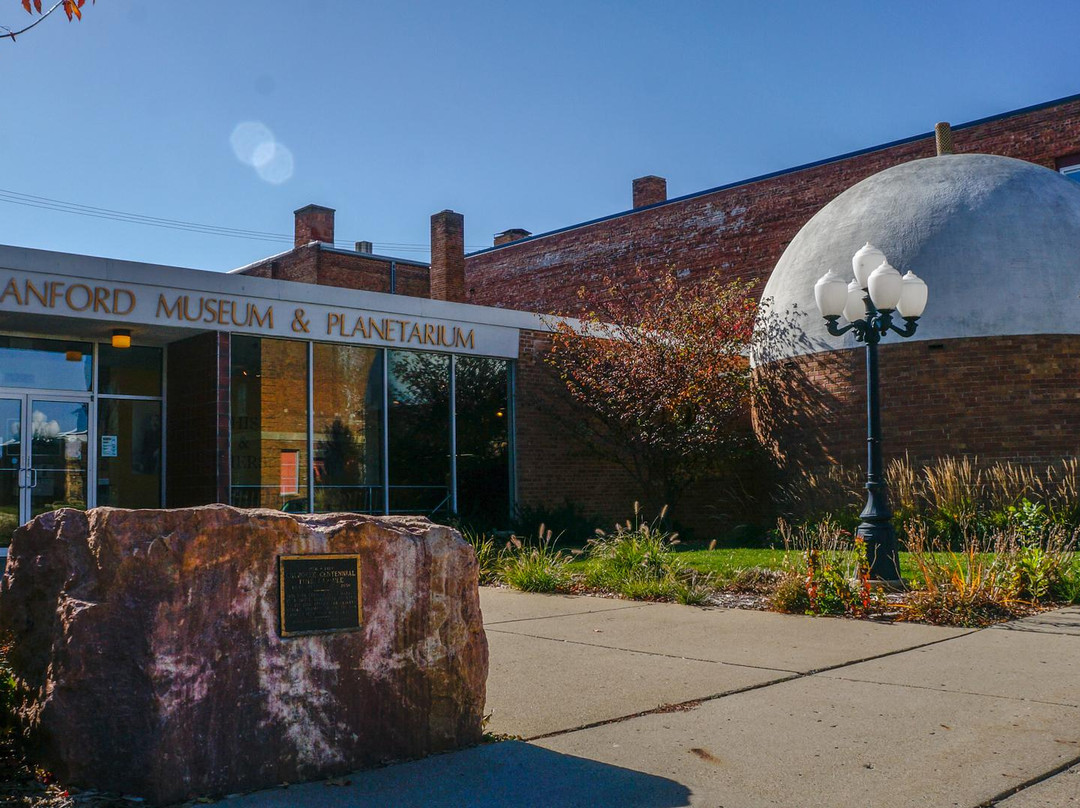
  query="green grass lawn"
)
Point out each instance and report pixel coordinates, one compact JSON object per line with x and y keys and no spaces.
{"x":725,"y":562}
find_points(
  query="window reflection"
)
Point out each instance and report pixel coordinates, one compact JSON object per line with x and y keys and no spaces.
{"x":348,"y":428}
{"x":269,"y":424}
{"x":45,"y":364}
{"x":483,"y":441}
{"x":419,"y":432}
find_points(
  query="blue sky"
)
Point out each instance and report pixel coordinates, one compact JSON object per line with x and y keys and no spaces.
{"x":532,"y":115}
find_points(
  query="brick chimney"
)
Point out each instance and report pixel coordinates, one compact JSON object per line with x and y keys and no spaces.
{"x":365,"y":247}
{"x":448,"y":256}
{"x":506,"y":236}
{"x":943,"y":138}
{"x":313,"y":223}
{"x":649,"y":190}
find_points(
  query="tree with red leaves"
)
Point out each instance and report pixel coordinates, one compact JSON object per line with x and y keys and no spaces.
{"x":73,"y":9}
{"x":661,"y":368}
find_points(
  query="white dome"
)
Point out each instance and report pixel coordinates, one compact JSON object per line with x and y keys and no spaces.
{"x":997,"y":241}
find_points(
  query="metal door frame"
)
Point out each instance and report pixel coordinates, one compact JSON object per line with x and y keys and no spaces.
{"x":25,"y":397}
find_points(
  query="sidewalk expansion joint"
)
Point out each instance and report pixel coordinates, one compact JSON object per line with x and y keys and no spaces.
{"x":1034,"y":781}
{"x":944,"y":689}
{"x":568,"y":614}
{"x":684,"y":706}
{"x":644,"y":653}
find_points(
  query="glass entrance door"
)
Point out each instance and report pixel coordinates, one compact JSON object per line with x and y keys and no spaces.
{"x":59,"y":439}
{"x":44,"y":459}
{"x":11,"y":468}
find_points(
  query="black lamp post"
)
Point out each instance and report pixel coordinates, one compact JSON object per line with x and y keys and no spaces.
{"x":868,"y":303}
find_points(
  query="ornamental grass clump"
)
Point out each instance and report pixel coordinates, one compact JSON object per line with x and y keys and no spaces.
{"x":536,"y":567}
{"x":993,"y":576}
{"x":638,"y":561}
{"x":488,"y":557}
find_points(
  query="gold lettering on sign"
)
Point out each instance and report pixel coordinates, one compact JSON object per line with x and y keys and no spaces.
{"x":220,"y":311}
{"x":77,"y":297}
{"x":348,"y":326}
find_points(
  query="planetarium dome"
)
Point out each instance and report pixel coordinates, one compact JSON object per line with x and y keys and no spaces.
{"x":997,"y":241}
{"x":993,"y":370}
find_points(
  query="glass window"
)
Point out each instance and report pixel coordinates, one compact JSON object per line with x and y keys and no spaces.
{"x":1072,"y":172}
{"x":269,"y":418}
{"x":348,"y":398}
{"x":419,"y":432}
{"x":45,"y":364}
{"x":134,"y":371}
{"x":483,"y":441}
{"x":129,"y":453}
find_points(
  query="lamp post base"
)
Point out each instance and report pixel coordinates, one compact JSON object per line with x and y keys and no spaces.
{"x":881,"y":552}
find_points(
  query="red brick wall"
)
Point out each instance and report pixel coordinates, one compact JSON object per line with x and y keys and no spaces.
{"x":741,"y":231}
{"x":197,"y":421}
{"x":552,"y":466}
{"x":347,"y":270}
{"x":556,"y":465}
{"x":1001,"y":398}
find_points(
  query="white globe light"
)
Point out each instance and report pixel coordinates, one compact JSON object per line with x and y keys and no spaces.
{"x":865,"y":261}
{"x":855,"y":309}
{"x":912,"y":296}
{"x":830,"y":293}
{"x":885,"y":285}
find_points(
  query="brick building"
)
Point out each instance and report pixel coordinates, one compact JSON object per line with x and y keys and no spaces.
{"x":321,"y":379}
{"x":986,"y":382}
{"x":327,"y":378}
{"x":740,"y":229}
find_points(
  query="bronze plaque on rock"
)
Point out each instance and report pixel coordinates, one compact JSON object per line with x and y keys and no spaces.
{"x":319,"y":593}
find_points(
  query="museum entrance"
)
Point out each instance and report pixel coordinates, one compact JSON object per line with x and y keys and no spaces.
{"x":80,"y":426}
{"x":44,"y":458}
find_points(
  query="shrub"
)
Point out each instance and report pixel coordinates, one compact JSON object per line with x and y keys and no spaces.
{"x":536,"y":568}
{"x":993,"y":576}
{"x":833,"y":568}
{"x":790,"y":595}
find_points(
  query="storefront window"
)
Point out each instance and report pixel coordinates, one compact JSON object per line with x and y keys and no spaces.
{"x":269,"y":424}
{"x":419,"y":432}
{"x":129,"y":460}
{"x":481,"y":388}
{"x":134,"y":371}
{"x":45,"y":364}
{"x":348,"y":398}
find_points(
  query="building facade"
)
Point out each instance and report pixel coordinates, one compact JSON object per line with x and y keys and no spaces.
{"x":144,"y":386}
{"x":993,"y":370}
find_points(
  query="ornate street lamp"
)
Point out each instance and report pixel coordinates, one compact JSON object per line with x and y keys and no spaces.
{"x":868,"y":303}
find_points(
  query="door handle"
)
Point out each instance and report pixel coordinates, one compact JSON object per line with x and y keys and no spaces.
{"x":34,"y":478}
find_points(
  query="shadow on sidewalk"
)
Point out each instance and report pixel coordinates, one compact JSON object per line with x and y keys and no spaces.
{"x":510,"y":773}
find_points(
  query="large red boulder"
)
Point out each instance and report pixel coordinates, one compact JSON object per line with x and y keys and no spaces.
{"x":147,"y":650}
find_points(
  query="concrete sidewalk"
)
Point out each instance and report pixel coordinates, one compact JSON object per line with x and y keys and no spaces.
{"x":633,"y":704}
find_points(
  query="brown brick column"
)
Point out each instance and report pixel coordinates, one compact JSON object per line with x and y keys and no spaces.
{"x":448,"y":256}
{"x":649,"y":191}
